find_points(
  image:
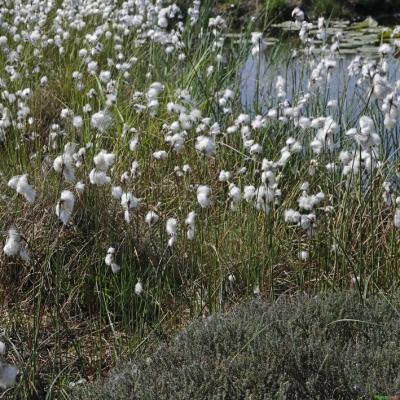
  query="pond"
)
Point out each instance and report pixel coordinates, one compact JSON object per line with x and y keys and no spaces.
{"x":289,"y":58}
{"x":259,"y":73}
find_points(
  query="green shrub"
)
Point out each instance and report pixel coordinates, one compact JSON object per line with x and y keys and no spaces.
{"x":322,"y":347}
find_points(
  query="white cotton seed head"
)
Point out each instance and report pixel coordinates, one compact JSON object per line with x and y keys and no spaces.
{"x":160,"y":155}
{"x":205,"y":145}
{"x":134,"y":143}
{"x":304,"y":122}
{"x":235,"y":195}
{"x":385,"y":49}
{"x":65,"y":163}
{"x":190,"y":220}
{"x":190,"y":223}
{"x":77,"y":122}
{"x":242,"y":119}
{"x":103,"y":160}
{"x":139,"y":288}
{"x":397,"y":218}
{"x":224,"y":176}
{"x":135,"y":169}
{"x":80,"y":187}
{"x":58,"y":164}
{"x":255,"y":148}
{"x":127,"y":216}
{"x":24,"y":254}
{"x":176,"y":141}
{"x":285,"y":155}
{"x":25,"y":189}
{"x":303,"y":255}
{"x":231,"y":129}
{"x":234,"y":192}
{"x":249,"y":193}
{"x":115,"y":268}
{"x":98,"y":178}
{"x":8,"y":375}
{"x":203,"y":193}
{"x":298,"y":14}
{"x":316,"y":146}
{"x":12,"y":246}
{"x":351,"y":132}
{"x":20,"y":184}
{"x":317,"y":122}
{"x":264,"y":199}
{"x":272,"y":113}
{"x":306,"y":202}
{"x":129,"y":201}
{"x":109,"y":259}
{"x":292,"y":216}
{"x":101,"y":121}
{"x":320,"y":196}
{"x":116,"y":192}
{"x":68,"y":200}
{"x":13,"y":182}
{"x":65,"y":206}
{"x":366,"y":124}
{"x":190,"y":233}
{"x":304,"y":186}
{"x":171,"y":226}
{"x":151,"y":218}
{"x":186,"y":169}
{"x":268,"y":177}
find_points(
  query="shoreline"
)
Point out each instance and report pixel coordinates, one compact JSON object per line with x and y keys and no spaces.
{"x":271,"y":12}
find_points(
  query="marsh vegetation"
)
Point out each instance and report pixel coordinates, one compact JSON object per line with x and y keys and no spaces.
{"x":147,"y":178}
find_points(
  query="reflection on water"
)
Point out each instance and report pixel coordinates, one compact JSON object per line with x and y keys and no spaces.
{"x":259,"y":74}
{"x":258,"y":78}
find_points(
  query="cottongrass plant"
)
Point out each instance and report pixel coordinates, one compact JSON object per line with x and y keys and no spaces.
{"x":137,"y":192}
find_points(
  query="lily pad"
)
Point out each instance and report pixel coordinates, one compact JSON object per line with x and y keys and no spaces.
{"x":286,"y":26}
{"x":369,"y":22}
{"x":387,"y":34}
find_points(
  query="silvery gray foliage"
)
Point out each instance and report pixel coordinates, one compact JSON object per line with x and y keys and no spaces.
{"x":8,"y":373}
{"x":322,"y":347}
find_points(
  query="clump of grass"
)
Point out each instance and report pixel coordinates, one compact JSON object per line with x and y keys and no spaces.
{"x":299,"y":347}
